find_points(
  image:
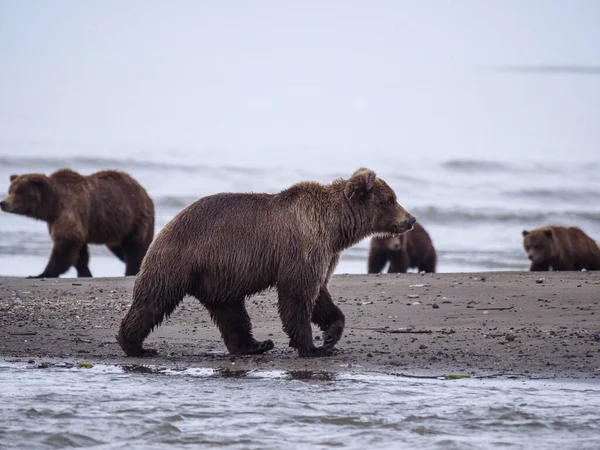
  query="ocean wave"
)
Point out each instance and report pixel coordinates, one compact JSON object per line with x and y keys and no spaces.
{"x":477,"y":166}
{"x":92,"y":161}
{"x":170,"y":202}
{"x":100,"y":163}
{"x":564,"y":195}
{"x":474,"y":165}
{"x":38,"y":244}
{"x":433,"y":214}
{"x":508,"y":258}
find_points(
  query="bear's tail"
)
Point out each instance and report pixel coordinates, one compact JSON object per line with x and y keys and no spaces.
{"x":155,"y":297}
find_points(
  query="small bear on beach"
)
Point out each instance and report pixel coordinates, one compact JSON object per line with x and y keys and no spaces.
{"x":560,"y":248}
{"x":408,"y":250}
{"x":107,"y":207}
{"x":226,"y":247}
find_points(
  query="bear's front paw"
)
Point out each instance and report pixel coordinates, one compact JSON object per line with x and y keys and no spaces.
{"x":332,"y":335}
{"x":34,"y":276}
{"x":264,"y":346}
{"x":253,"y":348}
{"x":146,"y":353}
{"x":141,"y":353}
{"x":317,"y":352}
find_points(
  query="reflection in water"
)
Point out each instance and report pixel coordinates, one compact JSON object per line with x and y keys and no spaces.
{"x":135,"y":368}
{"x":230,"y":373}
{"x":148,"y":407}
{"x":309,"y":375}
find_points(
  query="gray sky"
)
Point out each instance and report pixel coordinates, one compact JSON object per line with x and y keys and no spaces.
{"x":485,"y":79}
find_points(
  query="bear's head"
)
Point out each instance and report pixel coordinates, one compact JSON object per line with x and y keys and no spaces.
{"x":29,"y":195}
{"x":376,"y":205}
{"x":539,"y":245}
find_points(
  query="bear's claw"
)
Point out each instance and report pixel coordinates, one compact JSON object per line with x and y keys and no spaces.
{"x":332,"y":335}
{"x":255,"y":349}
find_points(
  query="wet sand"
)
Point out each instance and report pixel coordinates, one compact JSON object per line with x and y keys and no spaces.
{"x":538,"y":325}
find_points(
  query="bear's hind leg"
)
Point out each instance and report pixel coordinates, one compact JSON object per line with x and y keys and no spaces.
{"x":329,"y":318}
{"x":117,"y":251}
{"x":81,"y":265}
{"x":235,"y":326}
{"x":133,"y":253}
{"x":152,"y":303}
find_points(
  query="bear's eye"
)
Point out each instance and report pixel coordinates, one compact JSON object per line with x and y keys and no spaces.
{"x":391,"y":201}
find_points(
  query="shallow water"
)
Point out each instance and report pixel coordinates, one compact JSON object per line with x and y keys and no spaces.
{"x":112,"y":407}
{"x":474,"y":210}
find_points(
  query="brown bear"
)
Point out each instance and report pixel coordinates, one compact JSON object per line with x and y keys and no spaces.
{"x":107,"y":207}
{"x":226,"y":247}
{"x":560,"y":248}
{"x":410,"y":250}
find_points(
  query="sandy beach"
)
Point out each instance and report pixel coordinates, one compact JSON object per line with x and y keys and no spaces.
{"x":538,"y":325}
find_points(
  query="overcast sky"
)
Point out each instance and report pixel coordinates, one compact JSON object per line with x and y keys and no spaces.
{"x":448,"y":78}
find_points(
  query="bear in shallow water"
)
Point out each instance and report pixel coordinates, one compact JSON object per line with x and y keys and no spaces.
{"x":560,"y":248}
{"x":107,"y":207}
{"x":226,"y":247}
{"x":409,"y":250}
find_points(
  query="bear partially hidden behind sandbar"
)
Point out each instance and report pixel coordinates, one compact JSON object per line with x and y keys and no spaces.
{"x":560,"y":248}
{"x":226,"y":247}
{"x":107,"y":207}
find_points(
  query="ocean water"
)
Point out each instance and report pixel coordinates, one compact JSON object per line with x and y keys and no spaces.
{"x":474,"y":209}
{"x":112,"y":407}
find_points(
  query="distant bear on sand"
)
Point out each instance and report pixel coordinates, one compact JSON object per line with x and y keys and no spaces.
{"x":560,"y":248}
{"x":409,"y":250}
{"x":226,"y":247}
{"x":107,"y":207}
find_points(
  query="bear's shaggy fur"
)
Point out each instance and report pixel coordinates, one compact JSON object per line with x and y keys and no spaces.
{"x":409,"y":250}
{"x":560,"y":248}
{"x":226,"y":247}
{"x":107,"y":207}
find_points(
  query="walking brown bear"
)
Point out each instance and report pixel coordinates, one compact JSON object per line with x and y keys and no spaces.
{"x":410,"y":250}
{"x":226,"y":247}
{"x":107,"y":207}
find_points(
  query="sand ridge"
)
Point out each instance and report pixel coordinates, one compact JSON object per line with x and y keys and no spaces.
{"x":497,"y":323}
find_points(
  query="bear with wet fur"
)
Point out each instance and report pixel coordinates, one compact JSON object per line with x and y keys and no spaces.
{"x":409,"y":250}
{"x":107,"y":207}
{"x":560,"y":248}
{"x":227,"y":247}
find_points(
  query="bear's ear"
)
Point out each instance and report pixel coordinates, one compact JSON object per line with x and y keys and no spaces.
{"x":39,"y":181}
{"x":360,"y":183}
{"x":13,"y":178}
{"x":525,"y":233}
{"x":548,"y":233}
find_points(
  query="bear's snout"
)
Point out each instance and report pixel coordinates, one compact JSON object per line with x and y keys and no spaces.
{"x":531,"y":257}
{"x":410,"y":223}
{"x":7,"y":205}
